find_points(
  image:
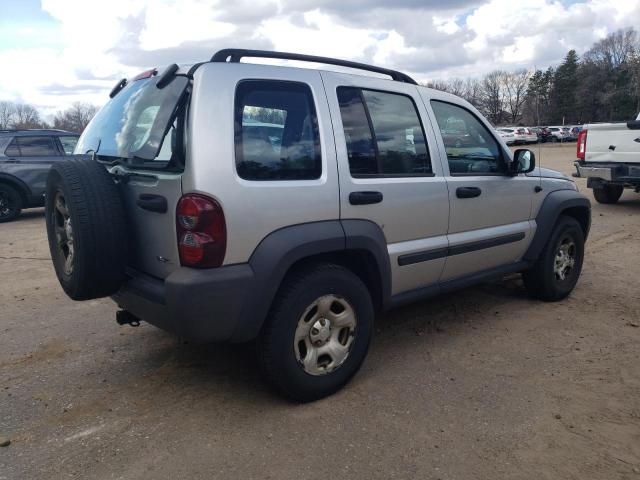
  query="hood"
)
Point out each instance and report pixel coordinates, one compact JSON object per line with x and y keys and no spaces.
{"x":548,"y":173}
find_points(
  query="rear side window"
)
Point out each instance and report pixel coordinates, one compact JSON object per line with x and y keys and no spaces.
{"x":276,"y":131}
{"x":384,"y":134}
{"x":31,"y":147}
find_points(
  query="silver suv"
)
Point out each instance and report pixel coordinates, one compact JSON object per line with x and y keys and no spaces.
{"x":232,"y":202}
{"x":25,"y":158}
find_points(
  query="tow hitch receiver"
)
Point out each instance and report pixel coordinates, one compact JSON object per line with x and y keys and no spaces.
{"x":125,"y":317}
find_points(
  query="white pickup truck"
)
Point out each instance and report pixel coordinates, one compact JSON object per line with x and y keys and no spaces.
{"x":609,"y":158}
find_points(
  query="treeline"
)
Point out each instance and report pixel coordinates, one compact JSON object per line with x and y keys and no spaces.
{"x":23,"y":115}
{"x":603,"y":85}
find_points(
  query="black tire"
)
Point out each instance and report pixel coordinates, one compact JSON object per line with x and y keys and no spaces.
{"x":98,"y":229}
{"x":10,"y":203}
{"x":541,"y":281}
{"x":608,"y":193}
{"x":276,"y":350}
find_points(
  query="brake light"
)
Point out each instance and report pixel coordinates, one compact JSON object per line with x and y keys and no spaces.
{"x":582,"y":144}
{"x":202,"y":231}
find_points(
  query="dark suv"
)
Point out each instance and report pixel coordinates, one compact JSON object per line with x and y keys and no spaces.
{"x":25,"y":158}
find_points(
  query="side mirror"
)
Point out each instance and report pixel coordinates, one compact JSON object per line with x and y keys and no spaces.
{"x":524,"y":161}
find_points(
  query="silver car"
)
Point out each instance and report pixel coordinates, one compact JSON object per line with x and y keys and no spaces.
{"x":233,"y":202}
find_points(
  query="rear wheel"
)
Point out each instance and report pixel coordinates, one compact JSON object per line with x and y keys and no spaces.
{"x":10,"y":203}
{"x":556,"y":272}
{"x":318,"y":332}
{"x":608,"y":193}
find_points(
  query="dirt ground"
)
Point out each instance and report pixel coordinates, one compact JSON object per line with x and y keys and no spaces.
{"x":480,"y":384}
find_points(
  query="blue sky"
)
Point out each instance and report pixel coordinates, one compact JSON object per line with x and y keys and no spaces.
{"x":61,"y":51}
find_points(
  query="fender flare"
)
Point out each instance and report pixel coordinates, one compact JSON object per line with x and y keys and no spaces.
{"x":552,"y":207}
{"x":280,"y":250}
{"x":22,"y":187}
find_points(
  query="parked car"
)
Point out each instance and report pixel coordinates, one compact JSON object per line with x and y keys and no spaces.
{"x":525,"y":135}
{"x":574,"y":132}
{"x":543,"y":134}
{"x":508,"y":135}
{"x":223,"y":234}
{"x":559,"y":134}
{"x":25,"y":158}
{"x":609,"y":158}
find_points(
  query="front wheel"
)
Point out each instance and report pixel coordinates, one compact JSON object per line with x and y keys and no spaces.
{"x":318,"y":332}
{"x":556,"y":272}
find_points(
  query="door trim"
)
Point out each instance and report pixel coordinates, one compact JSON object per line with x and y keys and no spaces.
{"x":426,"y":255}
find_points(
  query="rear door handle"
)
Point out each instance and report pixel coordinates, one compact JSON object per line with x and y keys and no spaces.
{"x":365,"y":198}
{"x":468,"y":192}
{"x":153,"y":203}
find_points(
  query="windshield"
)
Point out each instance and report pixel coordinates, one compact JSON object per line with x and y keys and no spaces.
{"x":133,"y":124}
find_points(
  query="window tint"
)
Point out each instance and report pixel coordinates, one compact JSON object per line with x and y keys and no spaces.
{"x":276,"y":131}
{"x":383,"y":133}
{"x":13,"y":150}
{"x":470,"y":148}
{"x":36,"y":146}
{"x":68,"y":144}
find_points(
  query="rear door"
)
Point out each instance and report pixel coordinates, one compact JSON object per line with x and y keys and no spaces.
{"x":137,"y":135}
{"x":29,"y":158}
{"x":489,"y":223}
{"x":390,"y":172}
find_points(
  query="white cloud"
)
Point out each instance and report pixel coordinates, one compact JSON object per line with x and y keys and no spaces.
{"x":103,"y":41}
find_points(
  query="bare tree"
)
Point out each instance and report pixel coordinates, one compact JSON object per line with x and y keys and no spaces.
{"x":615,"y":49}
{"x":26,"y":116}
{"x":7,"y":112}
{"x":515,"y":90}
{"x":492,"y":96}
{"x":76,"y":117}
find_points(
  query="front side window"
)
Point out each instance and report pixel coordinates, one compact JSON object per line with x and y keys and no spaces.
{"x":68,"y":144}
{"x":276,"y":131}
{"x":470,"y":147}
{"x":33,"y":146}
{"x":383,"y":133}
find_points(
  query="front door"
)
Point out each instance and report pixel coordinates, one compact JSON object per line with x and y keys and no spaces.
{"x":390,"y":173}
{"x":489,"y":224}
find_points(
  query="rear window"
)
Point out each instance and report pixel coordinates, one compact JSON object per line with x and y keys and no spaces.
{"x":276,"y":131}
{"x":134,"y":124}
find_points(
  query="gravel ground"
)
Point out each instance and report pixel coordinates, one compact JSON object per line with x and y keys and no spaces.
{"x":481,"y":384}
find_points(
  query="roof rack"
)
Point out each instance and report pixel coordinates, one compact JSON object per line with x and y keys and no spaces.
{"x":235,"y":54}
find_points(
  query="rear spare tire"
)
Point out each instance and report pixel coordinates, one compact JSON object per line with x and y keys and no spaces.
{"x":86,"y":227}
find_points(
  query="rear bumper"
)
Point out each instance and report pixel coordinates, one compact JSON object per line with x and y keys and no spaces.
{"x":200,"y":305}
{"x":614,"y":172}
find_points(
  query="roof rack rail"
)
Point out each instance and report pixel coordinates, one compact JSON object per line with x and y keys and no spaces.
{"x":235,"y":54}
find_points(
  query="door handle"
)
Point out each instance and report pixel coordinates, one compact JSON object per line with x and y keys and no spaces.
{"x":153,"y":203}
{"x":468,"y":192}
{"x":12,"y":160}
{"x":365,"y":198}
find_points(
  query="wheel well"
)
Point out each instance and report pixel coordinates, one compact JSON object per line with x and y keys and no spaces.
{"x":19,"y":188}
{"x":360,"y":262}
{"x":581,"y":214}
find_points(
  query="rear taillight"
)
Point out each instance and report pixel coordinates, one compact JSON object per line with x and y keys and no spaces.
{"x":582,"y":144}
{"x":202,"y":231}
